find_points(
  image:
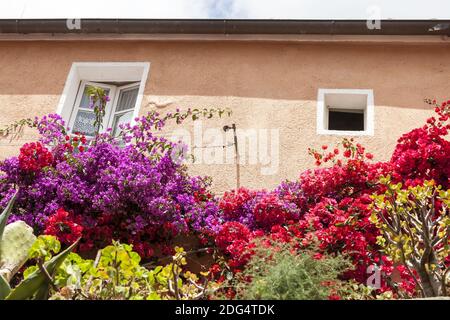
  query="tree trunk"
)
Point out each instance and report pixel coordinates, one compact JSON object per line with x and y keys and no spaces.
{"x":431,"y":285}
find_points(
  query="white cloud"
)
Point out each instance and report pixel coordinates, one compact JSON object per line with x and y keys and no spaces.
{"x":342,"y":9}
{"x":151,"y":9}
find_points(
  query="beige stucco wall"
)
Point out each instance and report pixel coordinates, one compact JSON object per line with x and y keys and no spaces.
{"x":267,"y":85}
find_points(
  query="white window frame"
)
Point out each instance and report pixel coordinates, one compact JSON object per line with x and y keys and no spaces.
{"x":323,"y":114}
{"x":77,"y":107}
{"x":109,"y":116}
{"x":82,"y":73}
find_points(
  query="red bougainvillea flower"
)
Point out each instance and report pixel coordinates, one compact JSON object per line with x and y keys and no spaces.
{"x":232,"y":201}
{"x":202,"y":195}
{"x":270,"y":212}
{"x":234,"y":239}
{"x":230,"y":294}
{"x":34,"y":156}
{"x":63,"y":227}
{"x":318,"y":256}
{"x":144,"y":249}
{"x":231,"y":232}
{"x":422,"y":154}
{"x":347,"y":153}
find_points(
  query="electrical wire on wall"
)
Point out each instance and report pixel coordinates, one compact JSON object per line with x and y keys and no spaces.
{"x":236,"y":151}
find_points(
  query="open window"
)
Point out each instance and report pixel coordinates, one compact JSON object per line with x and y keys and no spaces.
{"x":124,"y":84}
{"x":345,"y":112}
{"x":119,"y":109}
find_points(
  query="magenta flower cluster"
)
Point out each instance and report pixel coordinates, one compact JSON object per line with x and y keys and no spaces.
{"x":113,"y":191}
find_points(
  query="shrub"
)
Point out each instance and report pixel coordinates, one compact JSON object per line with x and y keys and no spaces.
{"x":333,"y":204}
{"x":257,"y":209}
{"x":115,"y":274}
{"x":130,"y":188}
{"x":233,"y":240}
{"x":280,"y":272}
{"x":415,"y":226}
{"x":137,"y":193}
{"x":423,"y":153}
{"x":329,"y":204}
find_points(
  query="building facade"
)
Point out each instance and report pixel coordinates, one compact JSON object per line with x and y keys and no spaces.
{"x":289,"y":86}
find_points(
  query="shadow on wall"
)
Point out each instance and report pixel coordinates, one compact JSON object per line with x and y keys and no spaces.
{"x":400,"y":75}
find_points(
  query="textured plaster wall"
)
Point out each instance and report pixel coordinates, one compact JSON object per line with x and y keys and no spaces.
{"x":267,"y":85}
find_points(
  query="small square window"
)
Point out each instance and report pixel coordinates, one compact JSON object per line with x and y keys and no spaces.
{"x":345,"y":112}
{"x":345,"y":120}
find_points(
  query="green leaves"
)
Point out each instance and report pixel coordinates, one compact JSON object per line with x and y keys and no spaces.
{"x":15,"y":240}
{"x":99,"y":100}
{"x":4,"y":288}
{"x":5,"y":215}
{"x":37,"y":283}
{"x":117,"y":274}
{"x":44,"y":248}
{"x":17,"y":127}
{"x":415,"y":230}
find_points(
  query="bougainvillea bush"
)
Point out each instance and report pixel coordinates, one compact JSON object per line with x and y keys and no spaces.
{"x":129,"y":188}
{"x":330,"y":206}
{"x":281,"y":271}
{"x":132,"y":188}
{"x":423,"y":153}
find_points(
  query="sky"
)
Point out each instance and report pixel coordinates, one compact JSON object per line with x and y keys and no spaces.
{"x":226,"y":9}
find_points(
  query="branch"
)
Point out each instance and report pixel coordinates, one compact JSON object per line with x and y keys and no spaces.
{"x":175,"y":282}
{"x":47,"y":275}
{"x":418,"y":283}
{"x":155,"y":263}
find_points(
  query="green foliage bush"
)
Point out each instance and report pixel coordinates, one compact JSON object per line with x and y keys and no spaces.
{"x":116,"y":274}
{"x":415,"y":227}
{"x":282,"y":273}
{"x":17,"y":241}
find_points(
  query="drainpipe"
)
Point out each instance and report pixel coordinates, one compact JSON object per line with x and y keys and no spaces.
{"x":236,"y":154}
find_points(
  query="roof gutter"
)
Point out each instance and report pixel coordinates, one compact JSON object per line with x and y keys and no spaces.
{"x":223,"y":27}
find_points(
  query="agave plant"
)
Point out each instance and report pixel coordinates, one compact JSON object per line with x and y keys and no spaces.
{"x":16,"y":240}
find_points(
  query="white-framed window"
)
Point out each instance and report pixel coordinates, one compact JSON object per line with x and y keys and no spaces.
{"x":348,"y":112}
{"x":123,"y":82}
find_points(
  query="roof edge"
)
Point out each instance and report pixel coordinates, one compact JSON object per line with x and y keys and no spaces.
{"x":224,"y":27}
{"x":236,"y":38}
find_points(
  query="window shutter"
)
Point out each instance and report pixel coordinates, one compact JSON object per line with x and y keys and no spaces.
{"x":125,"y":108}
